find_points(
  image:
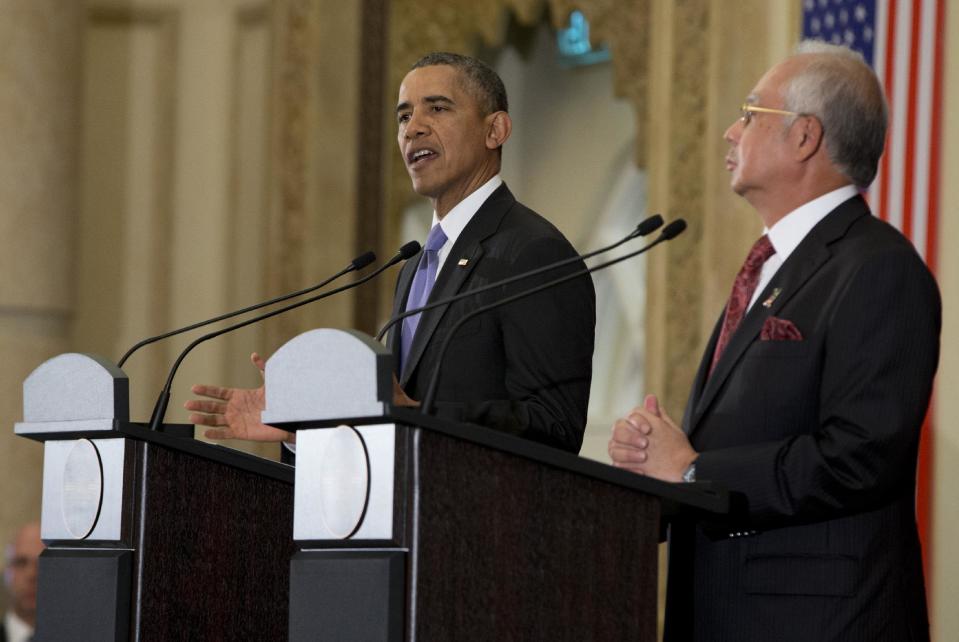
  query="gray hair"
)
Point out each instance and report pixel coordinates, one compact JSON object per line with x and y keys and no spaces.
{"x":840,"y":89}
{"x":484,"y":83}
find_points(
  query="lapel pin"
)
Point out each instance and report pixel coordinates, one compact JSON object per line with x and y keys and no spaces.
{"x":463,"y":262}
{"x":768,"y":303}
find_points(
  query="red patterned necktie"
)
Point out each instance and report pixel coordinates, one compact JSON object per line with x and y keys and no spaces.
{"x":743,"y":288}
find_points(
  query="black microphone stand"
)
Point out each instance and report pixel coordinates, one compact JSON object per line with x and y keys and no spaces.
{"x":159,"y":409}
{"x":647,"y":226}
{"x":669,"y":232}
{"x":358,"y":263}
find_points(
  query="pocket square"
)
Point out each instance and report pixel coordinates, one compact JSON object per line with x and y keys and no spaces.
{"x":776,"y":329}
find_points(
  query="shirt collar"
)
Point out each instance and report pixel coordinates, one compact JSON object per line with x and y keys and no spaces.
{"x":457,"y":218}
{"x":17,"y":629}
{"x":787,"y":233}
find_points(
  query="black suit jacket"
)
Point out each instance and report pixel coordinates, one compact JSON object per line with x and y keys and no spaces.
{"x":820,"y":436}
{"x":524,"y":367}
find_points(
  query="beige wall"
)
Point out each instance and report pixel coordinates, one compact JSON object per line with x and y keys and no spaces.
{"x":174,"y":210}
{"x":40,"y":48}
{"x":570,"y":135}
{"x":217,"y":172}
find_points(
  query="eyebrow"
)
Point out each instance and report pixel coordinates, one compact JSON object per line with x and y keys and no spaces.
{"x":432,"y":100}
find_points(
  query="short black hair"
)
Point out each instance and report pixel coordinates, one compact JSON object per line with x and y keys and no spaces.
{"x":480,"y":78}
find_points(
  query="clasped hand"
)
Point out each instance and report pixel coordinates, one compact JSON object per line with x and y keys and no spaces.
{"x":647,"y":441}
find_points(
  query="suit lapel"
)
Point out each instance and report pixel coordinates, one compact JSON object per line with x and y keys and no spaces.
{"x":450,"y":280}
{"x":811,"y":254}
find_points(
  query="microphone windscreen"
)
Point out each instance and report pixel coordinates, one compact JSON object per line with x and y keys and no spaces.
{"x":409,"y":250}
{"x":674,"y":229}
{"x":651,"y":224}
{"x":363,"y":260}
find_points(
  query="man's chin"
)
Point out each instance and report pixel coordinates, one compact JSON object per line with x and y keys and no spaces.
{"x":423,"y":188}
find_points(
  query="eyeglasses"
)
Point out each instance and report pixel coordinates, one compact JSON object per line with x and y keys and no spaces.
{"x":748,"y":110}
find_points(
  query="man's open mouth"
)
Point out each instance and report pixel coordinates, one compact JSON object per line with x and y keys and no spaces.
{"x":419,"y":156}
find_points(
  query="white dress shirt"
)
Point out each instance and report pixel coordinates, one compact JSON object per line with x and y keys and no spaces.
{"x":791,"y":229}
{"x":17,"y":629}
{"x":459,"y":217}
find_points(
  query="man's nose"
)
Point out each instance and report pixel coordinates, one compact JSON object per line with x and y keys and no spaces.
{"x":416,"y":127}
{"x":732,"y":132}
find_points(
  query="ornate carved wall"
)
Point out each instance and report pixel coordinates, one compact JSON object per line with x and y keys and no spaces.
{"x":677,"y":162}
{"x":295,"y":33}
{"x":316,"y":155}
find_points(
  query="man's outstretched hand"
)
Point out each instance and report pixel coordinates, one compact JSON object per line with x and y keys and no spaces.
{"x":234,"y":413}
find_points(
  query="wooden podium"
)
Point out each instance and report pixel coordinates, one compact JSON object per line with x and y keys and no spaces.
{"x":399,"y":526}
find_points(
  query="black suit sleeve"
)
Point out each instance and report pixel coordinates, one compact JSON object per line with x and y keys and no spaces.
{"x":877,"y":351}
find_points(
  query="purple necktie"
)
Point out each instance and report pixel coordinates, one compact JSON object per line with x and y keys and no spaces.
{"x":743,"y":288}
{"x":422,"y":285}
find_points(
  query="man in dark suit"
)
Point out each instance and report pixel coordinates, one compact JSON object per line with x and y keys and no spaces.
{"x":523,"y":368}
{"x":20,"y":581}
{"x":810,"y":396}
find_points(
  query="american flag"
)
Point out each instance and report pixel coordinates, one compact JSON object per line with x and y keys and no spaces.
{"x":903,"y":41}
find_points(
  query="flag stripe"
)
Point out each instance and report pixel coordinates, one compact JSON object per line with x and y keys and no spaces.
{"x":899,"y":88}
{"x":890,"y":46}
{"x":877,"y":193}
{"x":908,"y":187}
{"x":924,"y":493}
{"x":923,"y":129}
{"x":935,"y":121}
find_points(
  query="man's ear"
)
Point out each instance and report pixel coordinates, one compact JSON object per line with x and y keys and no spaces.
{"x":809,"y":137}
{"x":499,"y":127}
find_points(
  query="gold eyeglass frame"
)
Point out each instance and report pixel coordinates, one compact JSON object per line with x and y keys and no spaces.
{"x":747,"y":110}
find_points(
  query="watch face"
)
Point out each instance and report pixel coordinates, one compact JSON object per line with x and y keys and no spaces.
{"x":690,"y":474}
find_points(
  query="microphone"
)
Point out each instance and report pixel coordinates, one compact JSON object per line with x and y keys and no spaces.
{"x":669,"y":232}
{"x":358,"y":263}
{"x":159,"y":410}
{"x":647,"y":226}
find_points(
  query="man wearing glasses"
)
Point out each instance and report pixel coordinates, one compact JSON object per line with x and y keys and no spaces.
{"x":810,"y":396}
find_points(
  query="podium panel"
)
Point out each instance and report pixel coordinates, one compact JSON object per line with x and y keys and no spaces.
{"x":203,"y":553}
{"x":505,"y":548}
{"x":347,"y":595}
{"x":84,"y":595}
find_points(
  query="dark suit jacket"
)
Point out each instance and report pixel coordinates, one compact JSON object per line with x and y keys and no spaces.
{"x":524,"y":367}
{"x":820,"y":436}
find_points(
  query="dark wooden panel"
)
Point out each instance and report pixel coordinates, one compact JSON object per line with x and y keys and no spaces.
{"x":347,"y":595}
{"x":83,"y":595}
{"x":510,"y":549}
{"x":214,"y":549}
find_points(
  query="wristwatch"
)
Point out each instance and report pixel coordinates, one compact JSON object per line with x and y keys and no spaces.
{"x":690,"y":474}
